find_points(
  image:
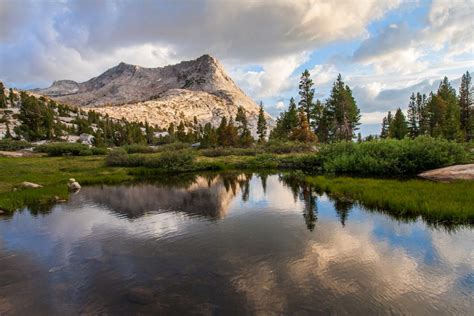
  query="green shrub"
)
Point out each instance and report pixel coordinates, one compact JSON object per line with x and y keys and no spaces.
{"x":12,"y":145}
{"x":99,"y":150}
{"x":143,"y":149}
{"x":287,"y":147}
{"x":391,"y":156}
{"x":182,"y":160}
{"x":64,"y":149}
{"x":117,"y":158}
{"x":220,"y":151}
{"x":172,"y":147}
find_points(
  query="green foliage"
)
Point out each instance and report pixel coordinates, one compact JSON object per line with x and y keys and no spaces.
{"x":465,"y":105}
{"x":166,"y":161}
{"x":343,"y":115}
{"x":447,"y":203}
{"x":3,"y":97}
{"x":261,"y":124}
{"x":13,"y":145}
{"x":137,"y":148}
{"x":391,"y":157}
{"x":398,"y":128}
{"x":306,"y":92}
{"x":287,"y":147}
{"x":66,"y":149}
{"x":220,"y":151}
{"x":302,"y":133}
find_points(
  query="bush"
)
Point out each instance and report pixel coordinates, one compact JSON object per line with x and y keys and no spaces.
{"x":12,"y":145}
{"x":168,"y":161}
{"x":64,"y":149}
{"x":220,"y":151}
{"x":117,"y":157}
{"x":99,"y":150}
{"x":172,"y":147}
{"x":143,"y":149}
{"x":391,"y":156}
{"x":287,"y":147}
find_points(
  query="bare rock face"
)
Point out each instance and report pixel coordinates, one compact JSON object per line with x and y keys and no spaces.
{"x":161,"y":95}
{"x":457,"y":172}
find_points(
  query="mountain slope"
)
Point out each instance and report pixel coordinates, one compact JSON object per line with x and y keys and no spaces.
{"x":161,"y":95}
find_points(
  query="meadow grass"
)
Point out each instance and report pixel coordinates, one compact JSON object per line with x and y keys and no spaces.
{"x":435,"y":202}
{"x":53,"y":174}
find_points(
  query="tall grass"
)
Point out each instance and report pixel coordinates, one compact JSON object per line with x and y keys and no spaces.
{"x":448,"y":203}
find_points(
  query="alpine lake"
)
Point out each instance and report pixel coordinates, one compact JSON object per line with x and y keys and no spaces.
{"x":228,"y":244}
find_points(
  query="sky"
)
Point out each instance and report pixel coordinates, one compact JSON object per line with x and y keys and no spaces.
{"x":384,"y":50}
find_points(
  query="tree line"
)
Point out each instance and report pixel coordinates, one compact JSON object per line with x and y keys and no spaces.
{"x":442,"y":114}
{"x":335,"y":119}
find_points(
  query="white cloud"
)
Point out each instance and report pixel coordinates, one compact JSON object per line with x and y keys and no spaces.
{"x":74,"y":39}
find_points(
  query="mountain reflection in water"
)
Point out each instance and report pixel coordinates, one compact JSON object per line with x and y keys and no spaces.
{"x":228,"y":244}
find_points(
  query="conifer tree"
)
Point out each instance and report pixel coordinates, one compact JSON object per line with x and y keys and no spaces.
{"x":465,"y":104}
{"x":385,"y":127}
{"x":261,"y":124}
{"x":413,"y":123}
{"x":12,"y":98}
{"x":343,"y":113}
{"x":398,"y":126}
{"x":423,"y":114}
{"x":303,"y":131}
{"x":245,"y":136}
{"x":306,"y":92}
{"x":222,"y":132}
{"x":3,"y":98}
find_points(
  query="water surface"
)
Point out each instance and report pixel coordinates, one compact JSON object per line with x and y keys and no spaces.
{"x":228,"y":244}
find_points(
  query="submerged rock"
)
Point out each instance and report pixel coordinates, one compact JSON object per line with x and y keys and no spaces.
{"x":457,"y":172}
{"x":73,"y":185}
{"x":30,"y":185}
{"x":141,"y":295}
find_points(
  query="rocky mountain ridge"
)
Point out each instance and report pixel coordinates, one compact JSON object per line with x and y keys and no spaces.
{"x":198,"y":88}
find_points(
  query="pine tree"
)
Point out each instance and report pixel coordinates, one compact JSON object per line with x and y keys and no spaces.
{"x":423,"y":114}
{"x":413,"y":123}
{"x":385,"y":127}
{"x":398,"y":126}
{"x":3,"y":98}
{"x":447,"y":100}
{"x":303,"y":131}
{"x":261,"y":124}
{"x":232,"y":134}
{"x":342,"y":111}
{"x":12,"y":98}
{"x":306,"y":93}
{"x":286,"y":122}
{"x":222,"y":132}
{"x":465,"y":104}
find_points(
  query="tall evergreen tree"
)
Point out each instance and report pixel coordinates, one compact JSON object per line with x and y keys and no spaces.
{"x":222,"y":132}
{"x":385,"y":128}
{"x":3,"y":98}
{"x":303,"y":132}
{"x":342,"y":111}
{"x":413,"y":122}
{"x":245,"y":136}
{"x":12,"y":98}
{"x":398,"y":126}
{"x":465,"y":104}
{"x":306,"y":92}
{"x":423,"y":114}
{"x":261,"y":124}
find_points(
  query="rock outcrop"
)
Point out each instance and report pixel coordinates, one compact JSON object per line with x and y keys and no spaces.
{"x":458,"y":172}
{"x":161,"y":95}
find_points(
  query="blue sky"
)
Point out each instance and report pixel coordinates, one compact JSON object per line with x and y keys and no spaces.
{"x":384,"y":49}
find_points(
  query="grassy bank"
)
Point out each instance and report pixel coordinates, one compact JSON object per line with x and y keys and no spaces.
{"x":52,"y":173}
{"x":448,"y":203}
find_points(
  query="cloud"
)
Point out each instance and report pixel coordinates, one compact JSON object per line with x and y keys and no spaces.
{"x":43,"y":41}
{"x":403,"y":49}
